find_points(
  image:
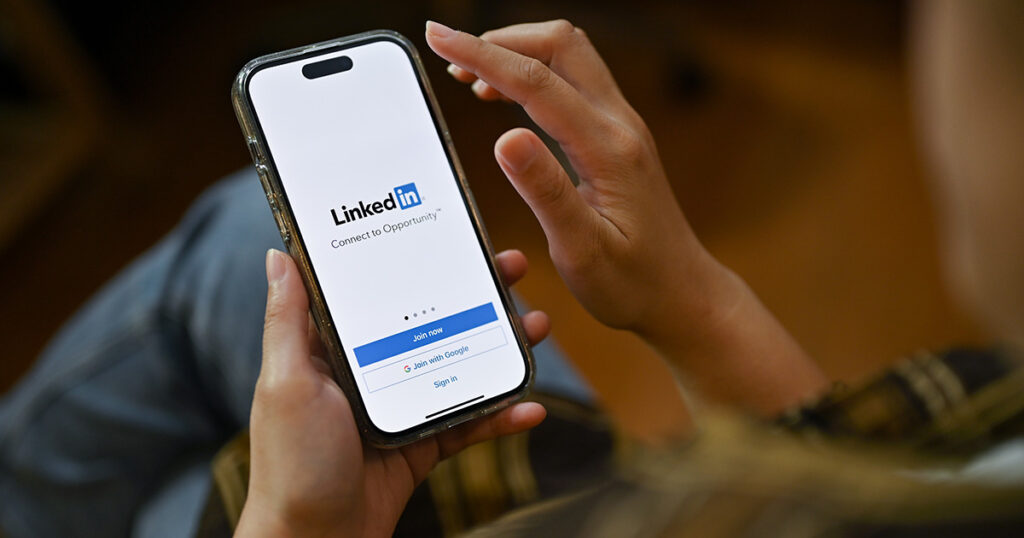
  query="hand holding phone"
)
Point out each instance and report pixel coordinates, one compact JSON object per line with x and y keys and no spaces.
{"x":310,"y":470}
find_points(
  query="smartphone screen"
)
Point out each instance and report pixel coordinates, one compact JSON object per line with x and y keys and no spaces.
{"x":398,"y":260}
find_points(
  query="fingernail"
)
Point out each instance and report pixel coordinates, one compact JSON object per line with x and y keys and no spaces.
{"x":478,"y":86}
{"x":517,"y":154}
{"x":452,"y":70}
{"x":438,"y":30}
{"x":275,"y":265}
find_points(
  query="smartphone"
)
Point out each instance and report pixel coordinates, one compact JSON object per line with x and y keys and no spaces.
{"x":362,"y":179}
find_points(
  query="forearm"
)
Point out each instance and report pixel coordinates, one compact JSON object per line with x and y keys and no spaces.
{"x":727,"y":347}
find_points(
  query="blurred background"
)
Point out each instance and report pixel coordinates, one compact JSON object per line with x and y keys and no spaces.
{"x":787,"y":129}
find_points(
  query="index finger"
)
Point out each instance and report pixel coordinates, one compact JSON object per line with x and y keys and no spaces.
{"x":567,"y":51}
{"x":551,"y":102}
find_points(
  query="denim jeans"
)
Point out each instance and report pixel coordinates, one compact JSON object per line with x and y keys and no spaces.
{"x":113,"y":430}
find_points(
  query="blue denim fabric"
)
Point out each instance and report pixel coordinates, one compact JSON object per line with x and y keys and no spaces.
{"x":112,"y":431}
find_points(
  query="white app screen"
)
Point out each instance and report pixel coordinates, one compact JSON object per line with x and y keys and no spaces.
{"x":379,"y":210}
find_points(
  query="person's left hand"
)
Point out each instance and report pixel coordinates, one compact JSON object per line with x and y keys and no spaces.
{"x":311,"y":473}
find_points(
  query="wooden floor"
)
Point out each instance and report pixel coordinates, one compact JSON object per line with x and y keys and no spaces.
{"x":787,"y":132}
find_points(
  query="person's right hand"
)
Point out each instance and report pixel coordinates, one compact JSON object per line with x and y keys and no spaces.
{"x":619,"y":239}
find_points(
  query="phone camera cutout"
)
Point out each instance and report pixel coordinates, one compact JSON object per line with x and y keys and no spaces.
{"x":326,"y":67}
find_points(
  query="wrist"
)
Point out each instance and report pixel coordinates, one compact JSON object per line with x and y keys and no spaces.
{"x":694,"y":294}
{"x":726,"y":346}
{"x":258,"y":520}
{"x":258,"y":523}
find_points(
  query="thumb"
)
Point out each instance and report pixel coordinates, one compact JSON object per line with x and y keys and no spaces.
{"x":285,"y":338}
{"x":542,"y":182}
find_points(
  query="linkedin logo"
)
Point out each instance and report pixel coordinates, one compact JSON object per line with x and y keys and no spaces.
{"x":403,"y":197}
{"x":407,"y":195}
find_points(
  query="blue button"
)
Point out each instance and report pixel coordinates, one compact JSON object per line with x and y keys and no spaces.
{"x":428,"y":333}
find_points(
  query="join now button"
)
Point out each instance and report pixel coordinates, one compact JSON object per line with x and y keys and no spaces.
{"x":425,"y":334}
